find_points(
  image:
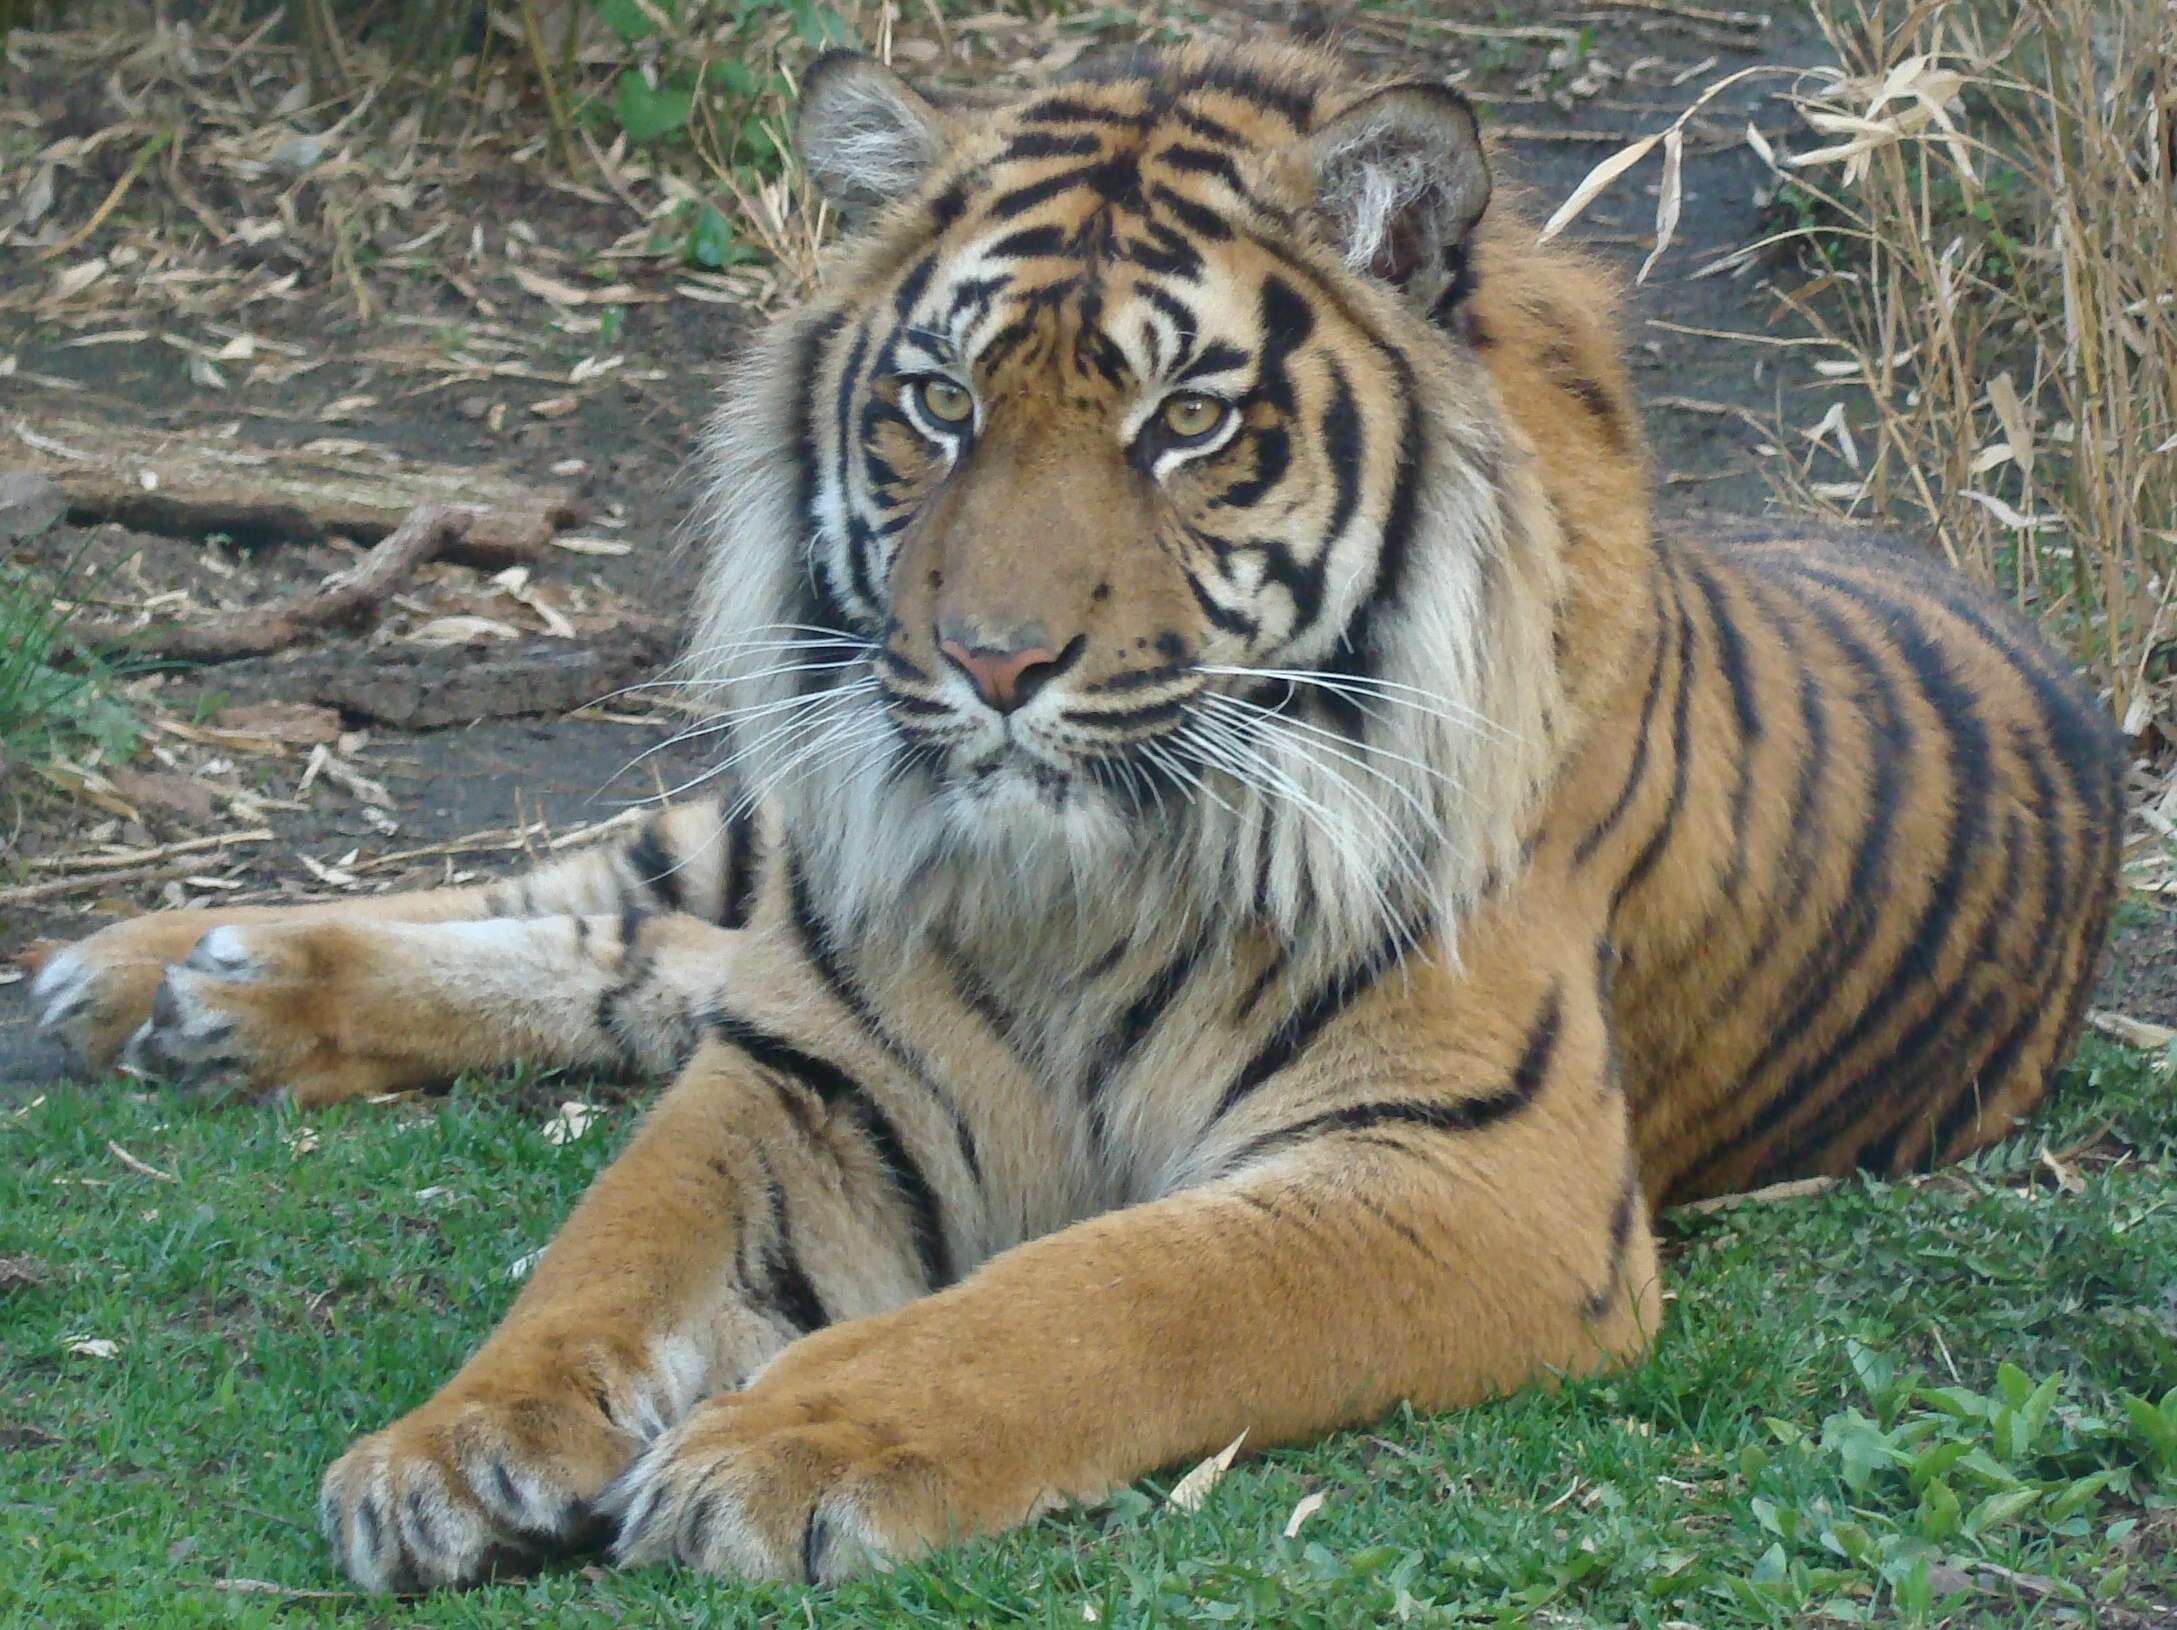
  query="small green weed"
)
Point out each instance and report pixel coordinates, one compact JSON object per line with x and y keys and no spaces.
{"x":53,"y":698}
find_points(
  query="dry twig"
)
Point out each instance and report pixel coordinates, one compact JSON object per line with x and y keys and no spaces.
{"x":352,"y":596}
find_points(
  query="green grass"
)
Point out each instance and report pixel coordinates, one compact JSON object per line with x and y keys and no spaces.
{"x":1859,"y":1401}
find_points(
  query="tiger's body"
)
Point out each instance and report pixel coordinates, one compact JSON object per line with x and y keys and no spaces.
{"x":1259,"y":869}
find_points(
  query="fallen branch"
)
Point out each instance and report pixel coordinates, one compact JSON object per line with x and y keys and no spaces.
{"x":1799,"y":1188}
{"x":290,"y":1593}
{"x":61,"y":887}
{"x":144,"y":857}
{"x":191,"y":485}
{"x":349,"y":597}
{"x":2141,"y":1033}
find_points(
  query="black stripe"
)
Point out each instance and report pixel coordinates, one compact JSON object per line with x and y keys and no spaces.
{"x":741,"y":870}
{"x":1730,"y":646}
{"x":1590,"y":393}
{"x":1203,"y":125}
{"x":815,"y":941}
{"x":1136,"y":1024}
{"x":1591,"y":840}
{"x":1462,"y":1115}
{"x":976,"y":995}
{"x":1028,"y":243}
{"x":1130,"y":718}
{"x":1599,"y":1300}
{"x":1294,"y":1036}
{"x":788,"y":1292}
{"x":654,"y":866}
{"x":1148,"y":1007}
{"x":1730,"y":649}
{"x":1029,"y":194}
{"x":1199,"y":219}
{"x":1034,"y":144}
{"x":1192,"y":160}
{"x":2056,"y":906}
{"x":808,"y":351}
{"x":834,"y":1087}
{"x":1069,"y":110}
{"x":1681,"y":755}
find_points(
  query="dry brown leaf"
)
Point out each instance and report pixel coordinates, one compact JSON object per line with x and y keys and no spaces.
{"x":573,"y":1118}
{"x":573,"y":294}
{"x":2066,"y":1175}
{"x":1309,"y":1505}
{"x":1194,"y":1488}
{"x":2011,"y":414}
{"x":78,"y":277}
{"x":460,"y":630}
{"x":1592,"y":185}
{"x":1669,"y":199}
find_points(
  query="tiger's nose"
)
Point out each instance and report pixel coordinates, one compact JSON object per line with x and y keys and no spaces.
{"x":1005,"y":676}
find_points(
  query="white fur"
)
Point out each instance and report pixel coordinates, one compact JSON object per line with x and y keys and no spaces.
{"x":865,"y":138}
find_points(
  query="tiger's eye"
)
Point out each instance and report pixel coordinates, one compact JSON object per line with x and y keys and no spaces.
{"x":1189,"y":415}
{"x":945,"y":402}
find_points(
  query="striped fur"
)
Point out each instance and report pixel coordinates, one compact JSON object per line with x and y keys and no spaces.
{"x":1408,"y":871}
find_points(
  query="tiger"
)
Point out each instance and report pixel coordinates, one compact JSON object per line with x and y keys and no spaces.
{"x":1242,"y":867}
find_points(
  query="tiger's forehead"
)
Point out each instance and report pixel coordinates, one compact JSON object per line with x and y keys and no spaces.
{"x":1113,"y":222}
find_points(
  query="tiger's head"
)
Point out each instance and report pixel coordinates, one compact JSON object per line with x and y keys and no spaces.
{"x":1133,"y":523}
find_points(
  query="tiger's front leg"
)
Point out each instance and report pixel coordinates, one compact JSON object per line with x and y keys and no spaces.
{"x":1448,"y":1213}
{"x":748,"y":1209}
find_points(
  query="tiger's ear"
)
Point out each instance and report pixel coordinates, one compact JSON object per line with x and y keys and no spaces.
{"x":1400,"y":180}
{"x":865,"y":135}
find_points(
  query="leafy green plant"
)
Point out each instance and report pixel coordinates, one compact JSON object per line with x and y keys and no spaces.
{"x":52,"y":697}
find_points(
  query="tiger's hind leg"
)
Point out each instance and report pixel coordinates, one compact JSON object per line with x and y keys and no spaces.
{"x":754,"y":1205}
{"x":98,"y":995}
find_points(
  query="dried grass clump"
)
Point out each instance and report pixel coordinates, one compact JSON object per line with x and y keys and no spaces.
{"x":2003,"y":175}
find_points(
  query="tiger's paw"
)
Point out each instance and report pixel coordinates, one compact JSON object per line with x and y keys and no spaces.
{"x":494,"y":1479}
{"x":95,"y":994}
{"x":265,"y":1005}
{"x":794,"y":1483}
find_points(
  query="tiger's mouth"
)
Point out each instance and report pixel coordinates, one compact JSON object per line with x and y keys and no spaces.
{"x":1016,"y":776}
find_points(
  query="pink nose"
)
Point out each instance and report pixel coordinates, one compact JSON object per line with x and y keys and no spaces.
{"x":1004,"y":679}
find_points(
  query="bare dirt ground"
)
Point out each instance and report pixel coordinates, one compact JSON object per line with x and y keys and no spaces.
{"x":379,"y":304}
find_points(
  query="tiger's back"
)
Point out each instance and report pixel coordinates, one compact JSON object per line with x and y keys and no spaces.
{"x":1862,"y":830}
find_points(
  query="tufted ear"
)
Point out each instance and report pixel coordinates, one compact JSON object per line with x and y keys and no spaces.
{"x":865,"y":135}
{"x":1400,"y":180}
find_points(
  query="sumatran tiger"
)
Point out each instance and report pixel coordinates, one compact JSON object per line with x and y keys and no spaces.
{"x":1246,"y":869}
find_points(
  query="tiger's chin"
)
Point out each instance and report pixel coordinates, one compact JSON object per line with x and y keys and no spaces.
{"x":1021,"y":809}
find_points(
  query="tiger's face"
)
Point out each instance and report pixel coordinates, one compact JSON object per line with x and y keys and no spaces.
{"x":1095,"y":496}
{"x":1116,"y":452}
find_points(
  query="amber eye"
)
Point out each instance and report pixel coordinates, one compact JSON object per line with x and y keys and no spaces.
{"x":944,"y":401}
{"x":1190,"y":416}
